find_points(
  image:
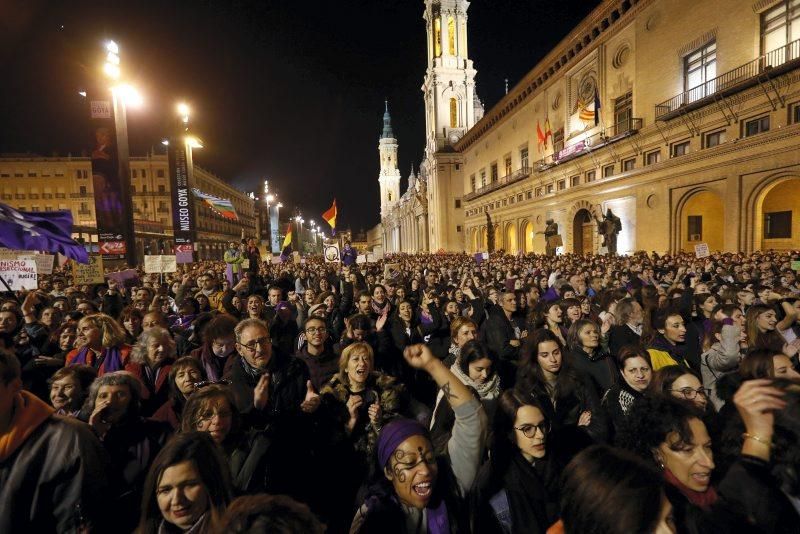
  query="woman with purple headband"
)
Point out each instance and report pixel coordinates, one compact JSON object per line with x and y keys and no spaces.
{"x":418,"y":492}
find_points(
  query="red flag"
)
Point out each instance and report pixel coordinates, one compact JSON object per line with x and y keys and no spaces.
{"x":540,"y":136}
{"x":330,"y":216}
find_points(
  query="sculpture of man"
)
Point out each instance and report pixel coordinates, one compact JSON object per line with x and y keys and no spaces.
{"x":550,"y":230}
{"x":608,"y":227}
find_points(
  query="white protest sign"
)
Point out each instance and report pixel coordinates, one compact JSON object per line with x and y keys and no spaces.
{"x":90,"y":273}
{"x":44,"y":263}
{"x":160,"y":264}
{"x":19,"y":274}
{"x":701,"y":250}
{"x":370,"y":257}
{"x":391,"y":271}
{"x":331,"y":253}
{"x":361,"y":259}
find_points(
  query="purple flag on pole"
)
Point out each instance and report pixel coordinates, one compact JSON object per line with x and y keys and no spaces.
{"x":50,"y":231}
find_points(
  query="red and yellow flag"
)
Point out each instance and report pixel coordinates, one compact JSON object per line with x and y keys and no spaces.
{"x":330,"y":216}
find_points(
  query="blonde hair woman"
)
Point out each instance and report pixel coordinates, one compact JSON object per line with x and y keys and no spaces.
{"x":101,"y":345}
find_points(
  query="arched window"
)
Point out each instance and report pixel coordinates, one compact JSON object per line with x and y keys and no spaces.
{"x":453,"y":113}
{"x":390,"y":196}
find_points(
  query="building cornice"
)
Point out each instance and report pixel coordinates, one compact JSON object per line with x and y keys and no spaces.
{"x":606,"y":19}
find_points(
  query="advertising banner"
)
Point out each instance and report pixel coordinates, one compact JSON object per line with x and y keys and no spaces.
{"x":182,"y":199}
{"x":106,"y":180}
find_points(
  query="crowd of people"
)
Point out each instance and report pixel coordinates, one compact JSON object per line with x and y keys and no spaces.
{"x":426,"y":393}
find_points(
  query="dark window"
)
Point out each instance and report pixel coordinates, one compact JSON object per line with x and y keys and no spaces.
{"x":574,"y":180}
{"x":458,"y":168}
{"x":508,"y":165}
{"x":539,"y":191}
{"x":651,"y":158}
{"x":549,"y":188}
{"x":608,"y":171}
{"x":695,"y":228}
{"x":714,"y":138}
{"x":756,"y":126}
{"x":529,"y":195}
{"x":160,"y":173}
{"x":144,"y":189}
{"x":458,"y":203}
{"x":494,"y":172}
{"x":623,"y":113}
{"x":82,"y":190}
{"x":134,"y":174}
{"x":523,"y":157}
{"x":458,"y":228}
{"x":162,"y":189}
{"x":31,"y":175}
{"x":472,"y":183}
{"x":794,"y":113}
{"x":562,"y":184}
{"x":679,"y":149}
{"x":558,"y":140}
{"x":144,"y":173}
{"x":778,"y":225}
{"x":628,"y":164}
{"x":590,"y":176}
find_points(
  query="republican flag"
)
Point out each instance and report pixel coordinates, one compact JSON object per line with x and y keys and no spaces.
{"x":286,"y":250}
{"x":542,"y":140}
{"x":330,"y":216}
{"x":50,"y":231}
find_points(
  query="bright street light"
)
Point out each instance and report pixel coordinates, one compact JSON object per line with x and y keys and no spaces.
{"x":129,"y":95}
{"x":193,"y":142}
{"x":270,"y":198}
{"x":112,"y":71}
{"x":112,"y":47}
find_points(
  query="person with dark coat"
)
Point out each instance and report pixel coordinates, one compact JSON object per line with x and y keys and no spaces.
{"x":567,"y":397}
{"x":150,"y":362}
{"x":516,"y":491}
{"x":636,"y":372}
{"x":349,"y":254}
{"x":52,"y":469}
{"x":253,"y":256}
{"x":317,"y":353}
{"x":502,"y":337}
{"x":587,"y":356}
{"x":131,"y":441}
{"x":628,"y":327}
{"x":185,"y":376}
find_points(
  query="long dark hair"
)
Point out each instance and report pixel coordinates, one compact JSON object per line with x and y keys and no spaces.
{"x":607,"y":490}
{"x":198,"y":448}
{"x":530,"y":379}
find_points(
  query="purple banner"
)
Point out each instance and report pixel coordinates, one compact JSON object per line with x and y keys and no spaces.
{"x":182,"y":200}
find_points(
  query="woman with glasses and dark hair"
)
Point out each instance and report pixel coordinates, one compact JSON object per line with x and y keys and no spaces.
{"x":212,"y":409}
{"x":683,"y":384}
{"x":566,"y":396}
{"x":516,"y":489}
{"x":184,"y":377}
{"x":187,"y":489}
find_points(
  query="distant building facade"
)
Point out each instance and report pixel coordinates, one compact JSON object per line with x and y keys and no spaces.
{"x":32,"y":183}
{"x":682,"y":117}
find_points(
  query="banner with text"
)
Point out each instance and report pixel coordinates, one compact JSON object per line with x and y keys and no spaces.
{"x":182,"y":201}
{"x":106,"y":179}
{"x":19,"y":274}
{"x":90,"y":273}
{"x":160,"y":264}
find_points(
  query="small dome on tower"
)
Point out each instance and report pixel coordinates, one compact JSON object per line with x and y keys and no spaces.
{"x":387,"y":124}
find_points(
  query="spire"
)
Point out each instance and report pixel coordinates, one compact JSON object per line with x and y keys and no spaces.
{"x":412,"y":180}
{"x":387,"y":124}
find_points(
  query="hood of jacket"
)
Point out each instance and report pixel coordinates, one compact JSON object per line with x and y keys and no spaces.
{"x":29,"y":414}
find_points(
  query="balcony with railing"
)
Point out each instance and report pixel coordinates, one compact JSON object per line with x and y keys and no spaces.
{"x":618,"y":131}
{"x":515,"y":176}
{"x":771,"y":64}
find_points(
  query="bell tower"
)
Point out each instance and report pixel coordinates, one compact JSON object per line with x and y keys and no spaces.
{"x":389,"y":177}
{"x":451,"y":108}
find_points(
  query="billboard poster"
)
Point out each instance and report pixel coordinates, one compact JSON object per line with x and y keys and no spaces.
{"x":182,"y":201}
{"x":106,"y":179}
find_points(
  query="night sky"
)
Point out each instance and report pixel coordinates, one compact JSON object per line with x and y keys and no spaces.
{"x":287,"y":90}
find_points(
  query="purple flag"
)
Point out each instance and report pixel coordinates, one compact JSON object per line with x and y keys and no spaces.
{"x":50,"y":231}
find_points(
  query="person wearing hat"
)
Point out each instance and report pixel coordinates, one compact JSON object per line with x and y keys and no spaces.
{"x":417,"y":491}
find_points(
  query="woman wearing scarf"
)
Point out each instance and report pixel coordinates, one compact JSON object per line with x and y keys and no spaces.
{"x":185,"y":375}
{"x":636,"y":373}
{"x":671,"y":433}
{"x":151,"y":361}
{"x":516,"y":490}
{"x":101,"y":344}
{"x":219,"y":343}
{"x":475,"y":369}
{"x":416,"y":491}
{"x":667,"y":343}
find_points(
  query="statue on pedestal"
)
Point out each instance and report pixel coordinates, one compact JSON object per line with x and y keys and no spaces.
{"x":608,"y":227}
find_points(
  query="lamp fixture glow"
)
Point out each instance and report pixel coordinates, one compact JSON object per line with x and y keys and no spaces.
{"x":165,"y":142}
{"x":193,"y":142}
{"x":112,"y":47}
{"x":111,"y":70}
{"x":112,"y":58}
{"x":129,"y":95}
{"x":82,"y":93}
{"x":270,"y":198}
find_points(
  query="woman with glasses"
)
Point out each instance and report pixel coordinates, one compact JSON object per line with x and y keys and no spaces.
{"x":185,"y":376}
{"x":567,"y":397}
{"x":516,"y":489}
{"x":211,"y":409}
{"x":683,"y":384}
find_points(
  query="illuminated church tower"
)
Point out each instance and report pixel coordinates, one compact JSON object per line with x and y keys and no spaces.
{"x":390,"y":174}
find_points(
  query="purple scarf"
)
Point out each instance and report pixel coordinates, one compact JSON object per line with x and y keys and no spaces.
{"x":110,"y":359}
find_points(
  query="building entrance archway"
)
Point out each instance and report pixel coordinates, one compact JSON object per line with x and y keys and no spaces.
{"x":582,"y":232}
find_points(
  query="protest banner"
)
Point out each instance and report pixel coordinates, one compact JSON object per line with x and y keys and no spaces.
{"x":88,"y":273}
{"x":160,"y":264}
{"x":19,"y":274}
{"x":701,"y":250}
{"x":331,"y":253}
{"x":361,"y":259}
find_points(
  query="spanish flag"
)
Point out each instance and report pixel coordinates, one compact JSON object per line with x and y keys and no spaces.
{"x":286,"y":250}
{"x":330,"y":216}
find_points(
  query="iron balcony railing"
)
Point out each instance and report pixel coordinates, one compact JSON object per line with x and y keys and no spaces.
{"x":780,"y":59}
{"x":620,"y":130}
{"x":515,"y":176}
